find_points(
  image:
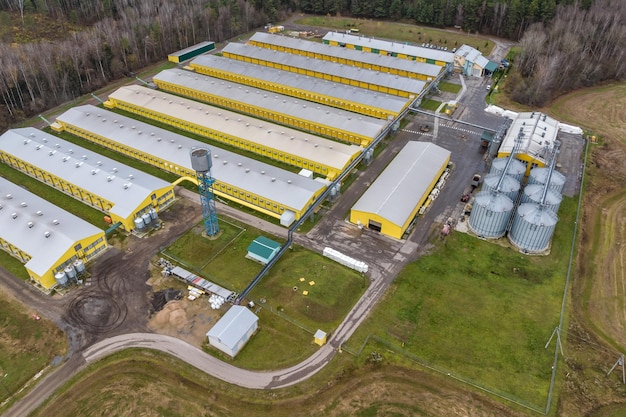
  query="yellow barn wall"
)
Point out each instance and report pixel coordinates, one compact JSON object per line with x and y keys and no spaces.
{"x":528,"y":160}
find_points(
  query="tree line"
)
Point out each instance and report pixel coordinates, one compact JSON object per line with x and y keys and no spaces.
{"x":579,"y":48}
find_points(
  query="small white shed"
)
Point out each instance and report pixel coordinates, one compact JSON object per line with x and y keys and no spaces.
{"x":233,"y":330}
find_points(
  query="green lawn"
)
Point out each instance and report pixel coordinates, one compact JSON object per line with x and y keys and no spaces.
{"x":429,"y":104}
{"x":479,"y":310}
{"x":450,"y":87}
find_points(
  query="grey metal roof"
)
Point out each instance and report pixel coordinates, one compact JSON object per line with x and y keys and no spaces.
{"x":64,"y":228}
{"x":295,"y":142}
{"x":540,"y":133}
{"x":350,"y":72}
{"x":233,"y":326}
{"x":398,"y":47}
{"x":289,"y":189}
{"x":327,"y":88}
{"x":125,"y":187}
{"x":318,"y":114}
{"x":384,"y":61}
{"x":397,"y":191}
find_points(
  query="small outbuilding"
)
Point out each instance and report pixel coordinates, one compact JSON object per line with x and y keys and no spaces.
{"x":233,"y":330}
{"x":320,"y":337}
{"x":191,"y":52}
{"x":262,"y":250}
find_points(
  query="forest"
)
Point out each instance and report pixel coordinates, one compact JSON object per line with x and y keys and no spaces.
{"x":57,"y":50}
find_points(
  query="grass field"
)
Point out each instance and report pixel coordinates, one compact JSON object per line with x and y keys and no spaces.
{"x":26,"y":346}
{"x":401,"y":32}
{"x":480,"y":311}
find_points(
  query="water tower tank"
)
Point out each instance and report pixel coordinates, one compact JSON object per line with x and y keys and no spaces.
{"x":61,"y":278}
{"x":201,"y":160}
{"x":490,"y":214}
{"x":70,"y":271}
{"x":534,"y":192}
{"x":153,"y":214}
{"x":516,"y":169}
{"x":540,"y":176}
{"x":79,"y":266}
{"x":533,"y":227}
{"x":147,"y":219}
{"x":139,"y":224}
{"x":509,"y":186}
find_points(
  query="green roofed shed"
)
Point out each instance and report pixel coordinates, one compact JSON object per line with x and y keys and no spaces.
{"x":262,"y":249}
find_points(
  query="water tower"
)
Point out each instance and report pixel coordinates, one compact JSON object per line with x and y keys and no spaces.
{"x":201,"y":163}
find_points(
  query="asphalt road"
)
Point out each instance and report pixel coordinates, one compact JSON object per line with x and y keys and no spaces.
{"x":385,"y":256}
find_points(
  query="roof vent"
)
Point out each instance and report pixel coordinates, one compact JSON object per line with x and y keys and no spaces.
{"x":0,"y":206}
{"x":224,"y":162}
{"x":247,"y":170}
{"x":14,"y":215}
{"x":23,"y":204}
{"x":126,"y":186}
{"x":180,"y":146}
{"x":131,"y":176}
{"x":94,"y":171}
{"x":57,"y":145}
{"x":114,"y":169}
{"x":39,"y":213}
{"x":262,"y":172}
{"x":66,"y":158}
{"x":78,"y":164}
{"x":84,"y":156}
{"x":288,"y":181}
{"x":30,"y":225}
{"x":99,"y":163}
{"x":238,"y":164}
{"x":55,"y":221}
{"x":9,"y":196}
{"x":39,"y":147}
{"x":46,"y":234}
{"x":52,"y":153}
{"x":273,"y":179}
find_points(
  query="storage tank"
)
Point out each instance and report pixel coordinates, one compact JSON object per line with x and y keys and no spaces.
{"x":516,"y":169}
{"x":70,"y":271}
{"x":490,"y":214}
{"x":540,"y":176}
{"x":509,"y":186}
{"x":79,"y":266}
{"x":533,"y":227}
{"x":533,"y":193}
{"x":61,"y":278}
{"x":153,"y":214}
{"x":140,"y":225}
{"x":201,"y":160}
{"x":147,"y":219}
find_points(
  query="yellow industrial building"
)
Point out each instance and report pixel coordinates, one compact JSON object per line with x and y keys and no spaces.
{"x":535,"y":144}
{"x":377,"y":81}
{"x":347,"y":56}
{"x":396,"y":49}
{"x":320,"y":119}
{"x":346,"y":97}
{"x":391,"y":203}
{"x":323,"y":156}
{"x":46,"y":238}
{"x":123,"y":193}
{"x":262,"y":187}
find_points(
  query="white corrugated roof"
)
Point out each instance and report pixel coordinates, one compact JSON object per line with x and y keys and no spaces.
{"x":125,"y":187}
{"x":397,"y":191}
{"x":384,"y":61}
{"x":398,"y":47}
{"x":540,"y":133}
{"x":383,"y":79}
{"x":64,"y":228}
{"x":391,"y":103}
{"x":283,"y":139}
{"x":290,"y":189}
{"x":233,"y":326}
{"x":315,"y":113}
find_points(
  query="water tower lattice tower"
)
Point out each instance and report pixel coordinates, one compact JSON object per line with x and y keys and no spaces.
{"x":201,"y":163}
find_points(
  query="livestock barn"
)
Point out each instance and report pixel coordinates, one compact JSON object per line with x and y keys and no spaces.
{"x":233,"y":330}
{"x":392,"y":201}
{"x":44,"y":237}
{"x":191,"y":52}
{"x":260,"y":186}
{"x":125,"y":194}
{"x":355,"y":99}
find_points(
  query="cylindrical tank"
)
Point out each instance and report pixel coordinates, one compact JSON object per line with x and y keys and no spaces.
{"x":139,"y":224}
{"x":533,"y":227}
{"x":490,"y":214}
{"x":79,"y":266}
{"x":201,"y":160}
{"x":534,"y":192}
{"x":61,"y":278}
{"x":70,"y":271}
{"x":153,"y":214}
{"x":147,"y":219}
{"x":540,"y":176}
{"x":516,"y":169}
{"x":509,"y":186}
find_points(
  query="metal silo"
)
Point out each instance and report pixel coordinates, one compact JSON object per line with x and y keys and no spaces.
{"x":516,"y":168}
{"x":533,"y":227}
{"x":509,"y":186}
{"x":533,"y":193}
{"x":540,"y":176}
{"x":490,"y":214}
